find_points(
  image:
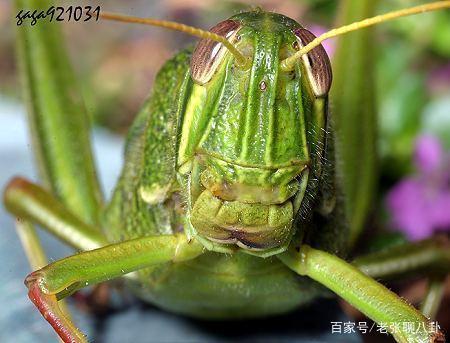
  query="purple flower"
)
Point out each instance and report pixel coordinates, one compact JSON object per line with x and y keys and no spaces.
{"x":420,"y":204}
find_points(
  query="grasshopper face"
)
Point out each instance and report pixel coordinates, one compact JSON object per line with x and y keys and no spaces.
{"x":252,"y":138}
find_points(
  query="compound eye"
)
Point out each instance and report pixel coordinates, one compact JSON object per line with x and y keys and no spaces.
{"x":208,"y":54}
{"x":316,"y":62}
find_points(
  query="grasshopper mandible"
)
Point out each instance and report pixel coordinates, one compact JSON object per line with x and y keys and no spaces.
{"x":226,"y":158}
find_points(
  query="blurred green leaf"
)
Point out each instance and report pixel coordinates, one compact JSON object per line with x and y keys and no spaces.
{"x":57,"y":115}
{"x":436,"y":119}
{"x":353,"y":111}
{"x":401,"y":98}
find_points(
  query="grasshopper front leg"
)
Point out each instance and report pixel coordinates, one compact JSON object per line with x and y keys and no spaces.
{"x":61,"y":278}
{"x":33,"y":205}
{"x":364,"y":293}
{"x":34,"y":251}
{"x":31,"y":202}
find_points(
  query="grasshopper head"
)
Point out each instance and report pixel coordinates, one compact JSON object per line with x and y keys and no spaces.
{"x":253,"y":136}
{"x":253,"y":119}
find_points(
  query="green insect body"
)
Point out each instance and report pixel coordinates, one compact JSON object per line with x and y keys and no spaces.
{"x":234,"y":157}
{"x":228,"y":205}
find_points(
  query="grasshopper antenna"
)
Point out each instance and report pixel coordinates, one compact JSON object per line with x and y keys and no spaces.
{"x":241,"y":60}
{"x":288,"y":63}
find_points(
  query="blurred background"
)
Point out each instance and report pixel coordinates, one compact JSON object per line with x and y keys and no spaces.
{"x":116,"y":64}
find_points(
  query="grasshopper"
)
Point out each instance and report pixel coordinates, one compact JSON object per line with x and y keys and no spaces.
{"x":230,"y":175}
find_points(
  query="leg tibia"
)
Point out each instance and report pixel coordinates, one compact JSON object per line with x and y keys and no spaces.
{"x":61,"y":278}
{"x":363,"y":292}
{"x":37,"y":259}
{"x":31,"y":202}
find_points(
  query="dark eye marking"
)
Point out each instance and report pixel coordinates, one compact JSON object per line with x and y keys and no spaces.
{"x":208,"y":53}
{"x":317,"y":64}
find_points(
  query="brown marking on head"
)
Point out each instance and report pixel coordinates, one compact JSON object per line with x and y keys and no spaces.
{"x":316,"y":62}
{"x":208,"y":53}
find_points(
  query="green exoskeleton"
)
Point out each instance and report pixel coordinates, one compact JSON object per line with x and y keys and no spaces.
{"x":228,"y":205}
